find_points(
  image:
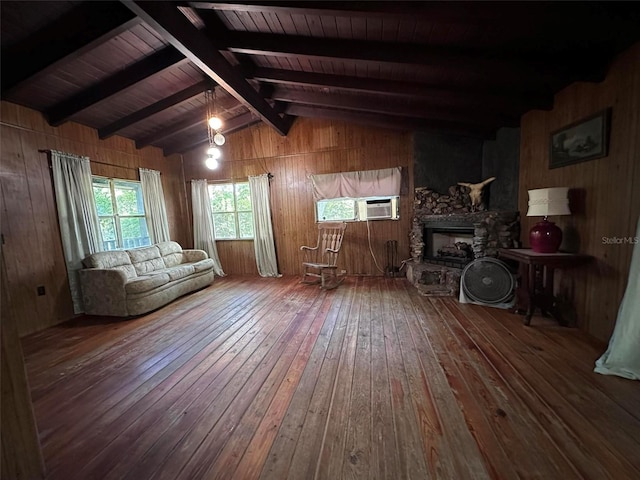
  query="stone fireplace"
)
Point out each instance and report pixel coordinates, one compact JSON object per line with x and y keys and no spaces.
{"x":446,"y":235}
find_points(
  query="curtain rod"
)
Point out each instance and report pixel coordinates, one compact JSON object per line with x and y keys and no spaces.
{"x":99,"y":163}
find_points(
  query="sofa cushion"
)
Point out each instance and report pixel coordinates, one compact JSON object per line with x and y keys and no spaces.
{"x":146,"y":283}
{"x":203,"y":265}
{"x":181,"y":271}
{"x":115,"y":260}
{"x":171,"y":253}
{"x":146,"y":259}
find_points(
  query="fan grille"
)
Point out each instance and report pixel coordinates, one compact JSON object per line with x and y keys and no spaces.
{"x":487,"y":280}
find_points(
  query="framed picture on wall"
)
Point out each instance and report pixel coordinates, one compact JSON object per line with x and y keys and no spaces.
{"x":586,"y":139}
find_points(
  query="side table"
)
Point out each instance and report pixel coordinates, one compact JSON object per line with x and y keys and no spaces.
{"x":536,"y":277}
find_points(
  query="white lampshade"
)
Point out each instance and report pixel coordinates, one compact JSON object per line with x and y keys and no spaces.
{"x":545,"y":202}
{"x":219,"y":139}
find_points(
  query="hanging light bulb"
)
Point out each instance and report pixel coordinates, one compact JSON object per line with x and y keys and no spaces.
{"x":211,"y":163}
{"x":219,"y":139}
{"x":215,"y":123}
{"x":214,"y":152}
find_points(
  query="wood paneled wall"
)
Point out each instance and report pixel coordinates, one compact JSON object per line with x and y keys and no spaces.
{"x":32,"y":248}
{"x":606,"y":189}
{"x":311,"y":147}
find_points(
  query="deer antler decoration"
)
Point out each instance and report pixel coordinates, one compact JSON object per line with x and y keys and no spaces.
{"x":475,"y":191}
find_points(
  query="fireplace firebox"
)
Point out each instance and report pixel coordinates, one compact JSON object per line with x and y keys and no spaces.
{"x":451,"y":246}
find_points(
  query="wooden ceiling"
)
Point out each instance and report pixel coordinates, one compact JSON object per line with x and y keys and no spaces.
{"x":140,"y":69}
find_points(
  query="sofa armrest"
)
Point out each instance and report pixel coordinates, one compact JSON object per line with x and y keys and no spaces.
{"x":191,"y":256}
{"x":103,"y":291}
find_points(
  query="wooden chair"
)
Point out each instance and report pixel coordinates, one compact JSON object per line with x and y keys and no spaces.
{"x":320,"y":261}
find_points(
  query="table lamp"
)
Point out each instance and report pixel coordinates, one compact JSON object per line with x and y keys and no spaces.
{"x":546,"y":236}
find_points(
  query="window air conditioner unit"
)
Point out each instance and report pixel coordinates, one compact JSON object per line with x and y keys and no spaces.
{"x":380,"y":209}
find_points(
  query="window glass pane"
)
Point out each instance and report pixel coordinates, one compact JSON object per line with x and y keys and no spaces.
{"x":129,"y":198}
{"x":245,"y":222}
{"x":341,"y":209}
{"x":108,"y":231}
{"x":134,"y":232}
{"x":102,"y":196}
{"x":222,"y":198}
{"x":224,"y":225}
{"x":243,"y":197}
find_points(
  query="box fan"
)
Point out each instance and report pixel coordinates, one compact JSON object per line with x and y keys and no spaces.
{"x":488,"y":281}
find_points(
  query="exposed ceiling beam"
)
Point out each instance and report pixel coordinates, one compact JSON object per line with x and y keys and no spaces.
{"x":492,"y":65}
{"x":468,"y":13}
{"x":390,"y":121}
{"x":117,"y":82}
{"x":85,"y":27}
{"x":232,"y":125}
{"x":387,"y":106}
{"x":512,"y":102}
{"x":176,"y":98}
{"x":171,"y":24}
{"x":193,"y":119}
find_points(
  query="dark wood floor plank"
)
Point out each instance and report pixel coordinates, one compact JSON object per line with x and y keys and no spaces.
{"x":357,"y":454}
{"x":88,"y":433}
{"x":408,"y":434}
{"x":505,"y":430}
{"x":252,"y":459}
{"x":183,"y":406}
{"x":295,"y":451}
{"x":448,"y":446}
{"x":272,"y":379}
{"x":385,"y":460}
{"x":569,"y":432}
{"x":330,"y":462}
{"x":480,"y":410}
{"x":300,"y":344}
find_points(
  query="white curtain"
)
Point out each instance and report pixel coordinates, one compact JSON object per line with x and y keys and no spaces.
{"x":77,"y":215}
{"x":366,"y":183}
{"x":203,"y":238}
{"x":263,"y":242}
{"x":154,"y":205}
{"x":622,"y":357}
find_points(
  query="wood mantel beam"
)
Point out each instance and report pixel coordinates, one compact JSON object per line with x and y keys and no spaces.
{"x":173,"y":26}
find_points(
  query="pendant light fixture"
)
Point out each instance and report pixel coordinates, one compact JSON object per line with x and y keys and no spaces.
{"x":214,"y":124}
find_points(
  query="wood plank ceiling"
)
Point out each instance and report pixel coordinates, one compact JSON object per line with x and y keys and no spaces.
{"x":140,"y":69}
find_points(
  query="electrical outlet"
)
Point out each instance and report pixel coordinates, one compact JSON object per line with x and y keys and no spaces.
{"x":40,"y":290}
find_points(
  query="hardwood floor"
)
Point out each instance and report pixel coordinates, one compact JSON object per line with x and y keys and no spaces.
{"x":272,"y":379}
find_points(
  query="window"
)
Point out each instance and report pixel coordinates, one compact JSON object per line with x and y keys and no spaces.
{"x":231,"y":210}
{"x":357,"y":209}
{"x":121,"y":213}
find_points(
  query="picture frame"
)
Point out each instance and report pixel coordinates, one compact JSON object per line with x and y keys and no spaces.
{"x":586,"y":139}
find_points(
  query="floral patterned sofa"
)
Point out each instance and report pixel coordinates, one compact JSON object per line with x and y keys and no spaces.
{"x":132,"y":282}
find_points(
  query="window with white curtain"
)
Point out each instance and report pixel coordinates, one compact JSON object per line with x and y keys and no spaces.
{"x":231,"y":210}
{"x":121,"y":214}
{"x":357,"y":196}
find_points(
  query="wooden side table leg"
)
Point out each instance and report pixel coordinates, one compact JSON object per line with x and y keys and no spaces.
{"x":531,"y":291}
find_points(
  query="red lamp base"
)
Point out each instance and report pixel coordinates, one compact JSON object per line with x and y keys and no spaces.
{"x":545,"y":237}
